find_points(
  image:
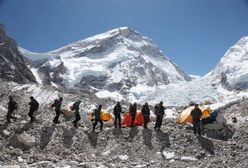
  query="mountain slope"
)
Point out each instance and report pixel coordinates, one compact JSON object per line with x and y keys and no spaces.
{"x":115,"y":60}
{"x":12,"y":64}
{"x":233,"y":66}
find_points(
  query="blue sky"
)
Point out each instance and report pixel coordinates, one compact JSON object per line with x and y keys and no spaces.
{"x":194,"y":34}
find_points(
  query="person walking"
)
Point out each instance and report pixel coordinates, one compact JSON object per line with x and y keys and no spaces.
{"x":159,"y":112}
{"x":196,"y":114}
{"x":34,"y":106}
{"x":12,"y":105}
{"x":146,"y":113}
{"x":57,"y":104}
{"x":75,"y":108}
{"x":117,"y":114}
{"x":97,"y":114}
{"x":133,"y":112}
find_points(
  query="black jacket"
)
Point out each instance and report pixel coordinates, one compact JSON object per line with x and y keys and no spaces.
{"x":97,"y":114}
{"x":34,"y":105}
{"x":133,"y":110}
{"x":12,"y":105}
{"x":145,"y":111}
{"x":57,"y":105}
{"x":159,"y":110}
{"x":117,"y":110}
{"x":76,"y":106}
{"x":196,"y":114}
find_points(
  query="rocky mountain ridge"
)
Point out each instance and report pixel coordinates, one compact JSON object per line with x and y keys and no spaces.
{"x":12,"y":64}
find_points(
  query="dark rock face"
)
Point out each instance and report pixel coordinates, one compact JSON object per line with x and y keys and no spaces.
{"x":52,"y":74}
{"x":12,"y":64}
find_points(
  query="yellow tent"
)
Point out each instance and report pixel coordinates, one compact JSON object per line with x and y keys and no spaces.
{"x":186,"y":117}
{"x":105,"y":116}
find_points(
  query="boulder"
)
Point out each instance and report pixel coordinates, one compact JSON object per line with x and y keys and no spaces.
{"x":1,"y":146}
{"x":67,"y":114}
{"x":45,"y":164}
{"x":214,"y":126}
{"x":18,"y":151}
{"x":26,"y":139}
{"x":220,"y":119}
{"x":6,"y":133}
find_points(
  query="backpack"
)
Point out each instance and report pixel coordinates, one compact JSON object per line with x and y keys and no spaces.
{"x":72,"y":107}
{"x":15,"y":105}
{"x":54,"y":103}
{"x":36,"y":105}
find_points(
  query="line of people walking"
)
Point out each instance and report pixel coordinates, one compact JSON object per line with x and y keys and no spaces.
{"x":57,"y":104}
{"x":159,"y":112}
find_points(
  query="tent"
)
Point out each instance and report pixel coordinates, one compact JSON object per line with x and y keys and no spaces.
{"x":127,"y":119}
{"x":105,"y":116}
{"x":186,"y":117}
{"x":139,"y":119}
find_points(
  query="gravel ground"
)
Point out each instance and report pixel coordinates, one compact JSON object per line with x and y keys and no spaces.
{"x":62,"y":145}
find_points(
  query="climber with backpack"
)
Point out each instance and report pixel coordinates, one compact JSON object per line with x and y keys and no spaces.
{"x":133,"y":112}
{"x":146,"y":114}
{"x":34,"y":106}
{"x":159,"y":112}
{"x":97,"y":114}
{"x":75,"y":107}
{"x":12,"y":105}
{"x":196,"y":114}
{"x":117,"y":113}
{"x":57,"y":104}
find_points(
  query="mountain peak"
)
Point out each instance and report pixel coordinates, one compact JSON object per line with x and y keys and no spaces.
{"x":114,"y":60}
{"x":234,"y":65}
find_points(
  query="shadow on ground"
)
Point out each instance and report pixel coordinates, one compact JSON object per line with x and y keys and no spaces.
{"x":164,"y":140}
{"x":46,"y":136}
{"x":207,"y":145}
{"x":117,"y":132}
{"x":147,"y":137}
{"x":67,"y":136}
{"x":92,"y":136}
{"x":133,"y":132}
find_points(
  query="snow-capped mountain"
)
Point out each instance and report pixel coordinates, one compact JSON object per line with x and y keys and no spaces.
{"x":233,"y":67}
{"x":116,"y":60}
{"x":12,"y":64}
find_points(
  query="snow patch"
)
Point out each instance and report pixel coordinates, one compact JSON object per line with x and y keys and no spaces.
{"x":188,"y":158}
{"x":169,"y":155}
{"x":123,"y":157}
{"x":106,"y":153}
{"x":171,"y":113}
{"x":107,"y":94}
{"x":2,"y":108}
{"x":36,"y":75}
